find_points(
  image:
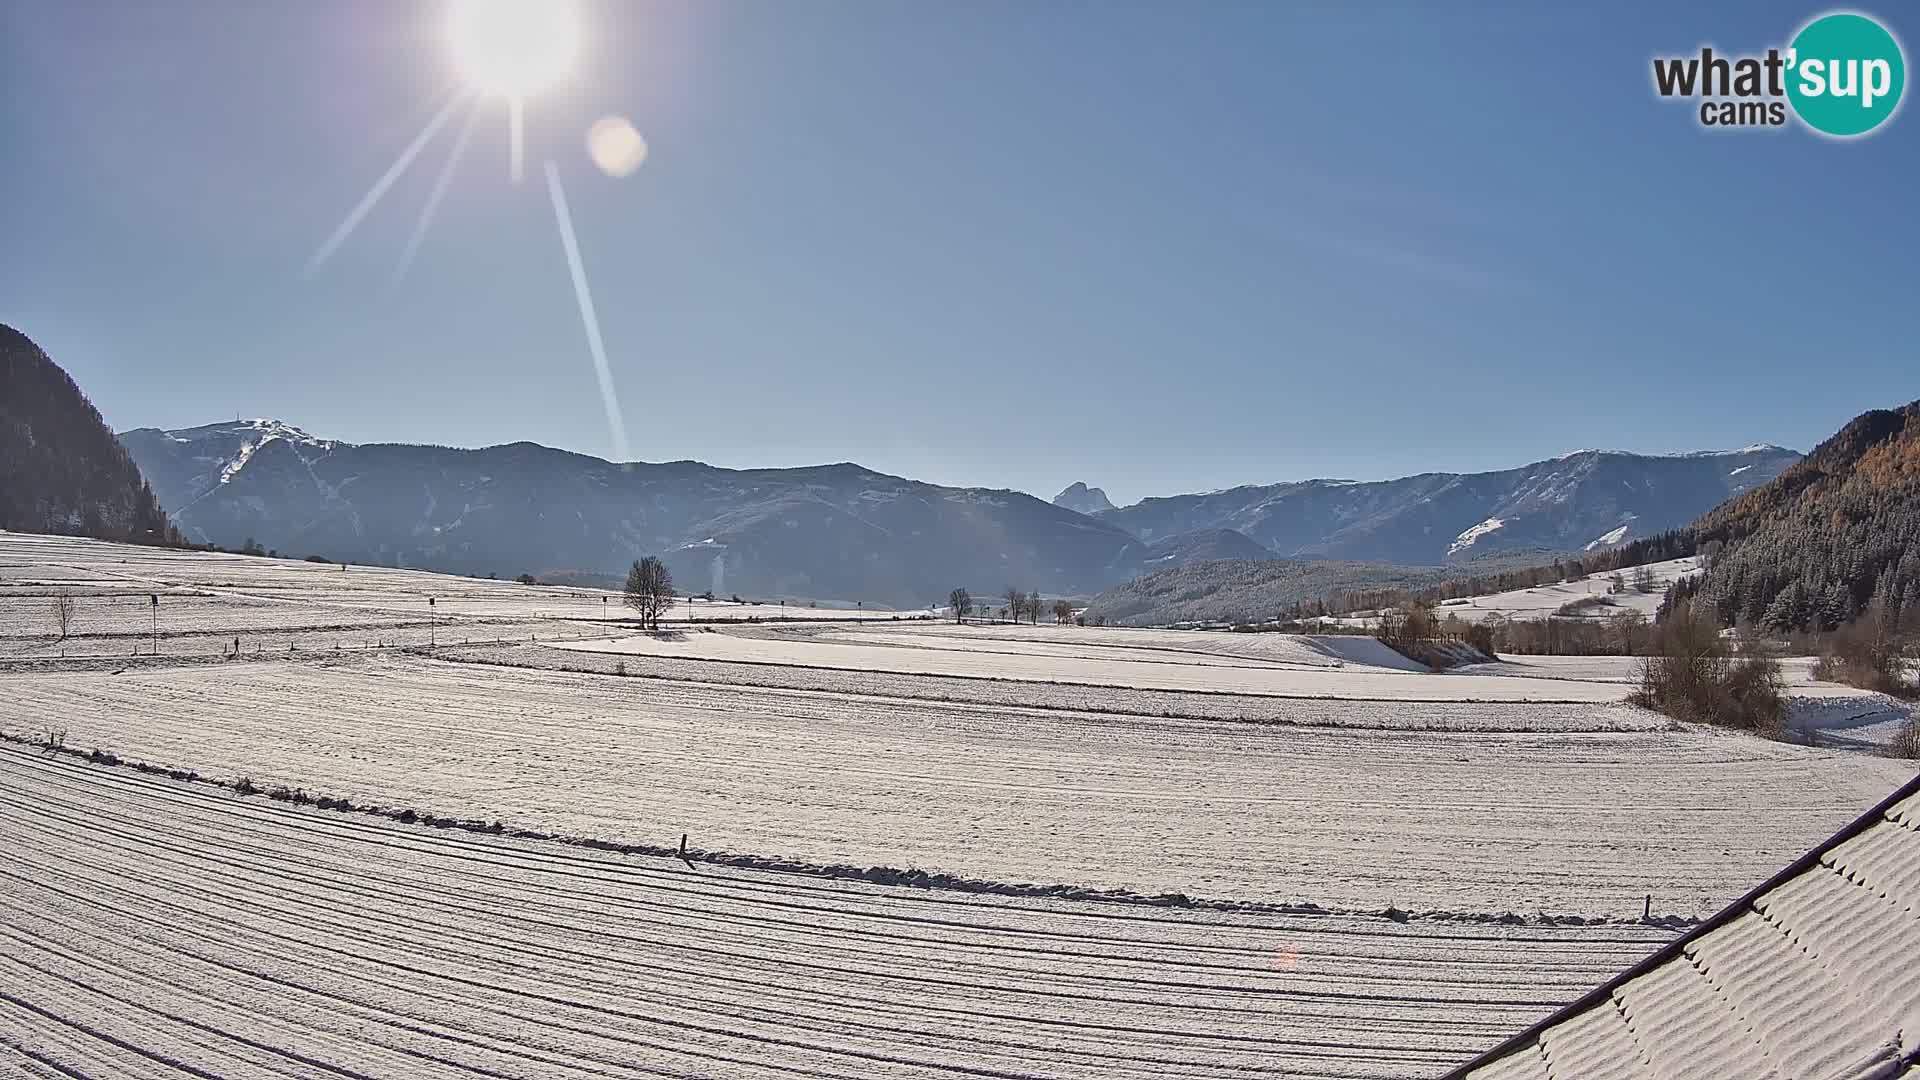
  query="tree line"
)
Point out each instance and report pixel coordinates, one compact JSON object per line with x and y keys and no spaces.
{"x":1019,"y":605}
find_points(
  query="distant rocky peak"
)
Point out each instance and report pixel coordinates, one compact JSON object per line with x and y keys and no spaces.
{"x":1082,"y":499}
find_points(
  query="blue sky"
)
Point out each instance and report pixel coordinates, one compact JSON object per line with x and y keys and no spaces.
{"x":1155,"y":247}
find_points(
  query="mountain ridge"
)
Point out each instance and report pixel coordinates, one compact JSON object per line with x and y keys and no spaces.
{"x":844,"y":531}
{"x":1571,"y":502}
{"x":838,"y":530}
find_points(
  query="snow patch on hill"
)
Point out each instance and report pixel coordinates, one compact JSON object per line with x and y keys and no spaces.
{"x":1545,"y":600}
{"x":1472,"y":536}
{"x":1610,"y":537}
{"x":254,"y":434}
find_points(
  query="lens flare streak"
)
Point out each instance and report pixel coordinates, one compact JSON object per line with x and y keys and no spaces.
{"x":433,"y":199}
{"x":516,"y":140}
{"x":581,"y":293}
{"x":380,"y":186}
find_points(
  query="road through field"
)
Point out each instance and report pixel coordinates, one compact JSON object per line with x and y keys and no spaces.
{"x":154,"y":928}
{"x":1351,"y":817}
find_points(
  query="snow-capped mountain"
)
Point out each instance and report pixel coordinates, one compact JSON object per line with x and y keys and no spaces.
{"x":830,"y":531}
{"x":847,"y":532}
{"x":187,"y":465}
{"x":1585,"y":500}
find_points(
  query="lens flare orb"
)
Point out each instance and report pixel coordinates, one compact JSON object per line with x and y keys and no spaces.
{"x":616,"y":146}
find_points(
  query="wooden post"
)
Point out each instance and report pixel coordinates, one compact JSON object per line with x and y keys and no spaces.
{"x":1646,"y":915}
{"x":683,"y":851}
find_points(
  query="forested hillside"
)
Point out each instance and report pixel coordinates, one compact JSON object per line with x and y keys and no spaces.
{"x":61,"y":470}
{"x":1831,"y":536}
{"x":1245,"y":590}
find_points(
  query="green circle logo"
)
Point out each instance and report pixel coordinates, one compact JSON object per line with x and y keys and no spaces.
{"x":1845,"y":74}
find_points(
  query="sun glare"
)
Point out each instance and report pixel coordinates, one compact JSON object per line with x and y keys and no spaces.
{"x":509,"y":50}
{"x":513,"y":48}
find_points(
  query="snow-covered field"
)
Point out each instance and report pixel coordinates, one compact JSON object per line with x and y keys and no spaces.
{"x":1347,"y":815}
{"x":1089,"y":664}
{"x":1541,"y":602}
{"x":158,"y":928}
{"x":1547,"y":600}
{"x":1797,"y":671}
{"x":1138,"y":645}
{"x":1245,"y":769}
{"x":207,"y":599}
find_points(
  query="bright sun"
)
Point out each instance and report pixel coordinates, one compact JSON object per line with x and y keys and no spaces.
{"x":506,"y":51}
{"x":514,"y":48}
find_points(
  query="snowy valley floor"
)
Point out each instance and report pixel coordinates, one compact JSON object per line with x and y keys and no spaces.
{"x":1342,"y":807}
{"x":160,"y":928}
{"x":1515,"y":819}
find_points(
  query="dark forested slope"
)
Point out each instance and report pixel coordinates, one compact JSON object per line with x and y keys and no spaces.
{"x":1827,"y":538}
{"x":61,"y":469}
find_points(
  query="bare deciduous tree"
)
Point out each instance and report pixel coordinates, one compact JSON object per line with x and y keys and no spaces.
{"x":1033,"y":607}
{"x":1016,"y":603}
{"x":1643,"y":580}
{"x":961,"y":601}
{"x":63,"y":614}
{"x":1062,"y":612}
{"x":649,"y":590}
{"x":1632,"y":633}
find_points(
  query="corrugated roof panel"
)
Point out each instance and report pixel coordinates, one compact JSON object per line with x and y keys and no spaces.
{"x":1814,"y":975}
{"x":1882,"y":1063}
{"x":1774,"y":985}
{"x":1595,"y":1045}
{"x":1526,"y":1064}
{"x":1687,"y":1029}
{"x":1861,"y":937}
{"x":1885,"y":858}
{"x":1907,"y":811}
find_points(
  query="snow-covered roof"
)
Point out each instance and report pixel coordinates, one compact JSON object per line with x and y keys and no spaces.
{"x":1810,"y":976}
